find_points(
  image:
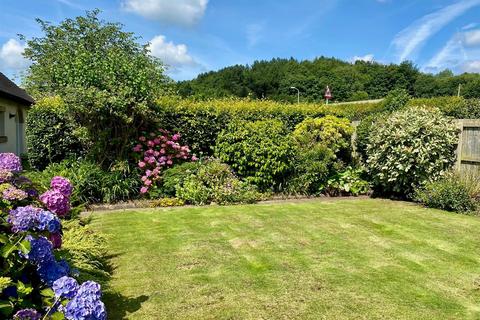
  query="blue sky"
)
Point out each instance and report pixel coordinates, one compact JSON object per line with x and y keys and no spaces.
{"x":194,"y":36}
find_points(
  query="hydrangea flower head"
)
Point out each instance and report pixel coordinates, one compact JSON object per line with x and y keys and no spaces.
{"x":56,"y":202}
{"x":65,"y":287}
{"x":86,"y":304}
{"x":23,"y":218}
{"x":10,"y":162}
{"x":50,"y":271}
{"x":27,"y":314}
{"x":40,"y":250}
{"x":47,"y":221}
{"x":62,"y":185}
{"x":5,"y":175}
{"x":14,"y":194}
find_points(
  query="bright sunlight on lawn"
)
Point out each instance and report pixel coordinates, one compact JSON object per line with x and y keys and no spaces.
{"x":338,"y":259}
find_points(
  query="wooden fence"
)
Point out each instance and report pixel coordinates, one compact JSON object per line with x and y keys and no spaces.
{"x":468,"y":150}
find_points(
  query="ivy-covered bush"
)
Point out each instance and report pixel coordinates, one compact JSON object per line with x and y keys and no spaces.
{"x":450,"y":193}
{"x":36,"y":281}
{"x":409,"y":148}
{"x":51,"y":135}
{"x":215,"y":182}
{"x":322,"y":147}
{"x":259,"y":151}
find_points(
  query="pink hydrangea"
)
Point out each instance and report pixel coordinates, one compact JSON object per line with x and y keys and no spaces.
{"x":56,"y":202}
{"x":62,"y":185}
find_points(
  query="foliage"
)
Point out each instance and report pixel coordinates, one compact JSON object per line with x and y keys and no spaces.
{"x":92,"y":183}
{"x":448,"y":193}
{"x":215,"y":182}
{"x":348,"y":182}
{"x":200,"y":122}
{"x":167,"y":202}
{"x":176,"y":175}
{"x":51,"y":136}
{"x":106,"y":78}
{"x":156,"y":151}
{"x":396,"y":100}
{"x":456,"y":107}
{"x":37,"y":281}
{"x":409,"y":148}
{"x":259,"y":151}
{"x":321,"y":145}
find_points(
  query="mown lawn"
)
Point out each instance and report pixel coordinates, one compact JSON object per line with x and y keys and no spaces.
{"x":346,"y":259}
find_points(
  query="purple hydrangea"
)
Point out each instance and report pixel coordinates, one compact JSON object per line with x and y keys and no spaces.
{"x":56,"y":202}
{"x":5,"y":176}
{"x":50,"y":271}
{"x":27,"y":314}
{"x":62,"y":185}
{"x":14,"y":194}
{"x":47,"y":221}
{"x":86,"y":304}
{"x":10,"y":162}
{"x":41,"y":250}
{"x":23,"y":218}
{"x":55,"y":239}
{"x":65,"y":287}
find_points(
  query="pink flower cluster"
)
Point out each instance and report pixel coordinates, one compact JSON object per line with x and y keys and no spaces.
{"x":57,"y":199}
{"x":158,"y":151}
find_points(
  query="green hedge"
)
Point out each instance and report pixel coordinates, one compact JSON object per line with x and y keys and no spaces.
{"x":455,"y":107}
{"x":200,"y":122}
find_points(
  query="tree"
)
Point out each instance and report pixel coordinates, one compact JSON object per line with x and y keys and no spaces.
{"x":108,"y":81}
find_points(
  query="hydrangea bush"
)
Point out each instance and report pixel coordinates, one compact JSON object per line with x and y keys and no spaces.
{"x":36,"y":282}
{"x":156,"y":151}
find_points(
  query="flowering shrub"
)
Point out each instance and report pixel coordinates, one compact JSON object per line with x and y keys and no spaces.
{"x":36,"y":281}
{"x":157,"y":151}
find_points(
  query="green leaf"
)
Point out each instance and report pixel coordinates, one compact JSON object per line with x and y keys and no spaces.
{"x":8,"y":249}
{"x":47,"y":293}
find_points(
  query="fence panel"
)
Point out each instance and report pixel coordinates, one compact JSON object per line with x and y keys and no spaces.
{"x":468,"y":151}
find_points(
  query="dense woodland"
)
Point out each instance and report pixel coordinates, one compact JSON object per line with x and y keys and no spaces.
{"x":348,"y":81}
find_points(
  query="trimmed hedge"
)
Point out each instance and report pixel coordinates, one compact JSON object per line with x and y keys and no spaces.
{"x":200,"y":122}
{"x":455,"y":107}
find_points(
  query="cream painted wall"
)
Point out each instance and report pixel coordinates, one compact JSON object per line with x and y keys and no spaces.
{"x":11,"y":126}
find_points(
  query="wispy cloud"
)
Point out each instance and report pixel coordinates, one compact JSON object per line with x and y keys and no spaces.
{"x":411,"y":39}
{"x":254,"y":33}
{"x":366,"y":58}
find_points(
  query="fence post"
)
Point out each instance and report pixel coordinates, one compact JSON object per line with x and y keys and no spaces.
{"x":458,"y":164}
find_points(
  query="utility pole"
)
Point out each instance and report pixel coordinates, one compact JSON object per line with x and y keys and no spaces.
{"x":459,"y":89}
{"x":298,"y":93}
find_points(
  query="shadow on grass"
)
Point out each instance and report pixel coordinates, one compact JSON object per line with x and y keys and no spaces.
{"x":119,"y":306}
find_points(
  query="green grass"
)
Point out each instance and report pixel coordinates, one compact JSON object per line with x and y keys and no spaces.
{"x":347,"y":259}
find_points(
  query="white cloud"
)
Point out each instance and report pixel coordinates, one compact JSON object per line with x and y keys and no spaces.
{"x":472,"y":38}
{"x":469,"y":26}
{"x":472,"y":66}
{"x":414,"y":36}
{"x":366,"y":58}
{"x":11,"y":55}
{"x":254,"y":33}
{"x":183,"y":12}
{"x":173,"y":55}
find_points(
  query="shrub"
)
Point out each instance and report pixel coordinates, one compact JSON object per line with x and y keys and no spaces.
{"x":175,"y":176}
{"x":396,"y":100}
{"x":51,"y":136}
{"x":409,"y":148}
{"x":259,"y":151}
{"x":449,"y":193}
{"x":92,"y":184}
{"x":36,"y":278}
{"x":322,"y":145}
{"x":456,"y":107}
{"x":202,"y":121}
{"x":156,"y":151}
{"x":215,"y":182}
{"x":348,"y":182}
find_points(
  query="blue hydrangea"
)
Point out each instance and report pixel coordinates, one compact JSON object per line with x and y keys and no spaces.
{"x":51,"y":271}
{"x":86,"y":304}
{"x":65,"y":287}
{"x":47,"y":221}
{"x":27,"y":314}
{"x":40,"y":250}
{"x":23,"y":218}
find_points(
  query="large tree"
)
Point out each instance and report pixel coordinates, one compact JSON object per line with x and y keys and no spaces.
{"x":108,"y":80}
